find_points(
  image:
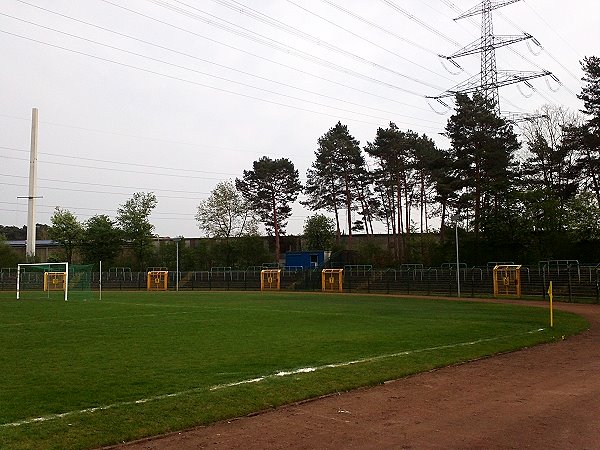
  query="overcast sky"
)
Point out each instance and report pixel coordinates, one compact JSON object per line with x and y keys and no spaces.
{"x":173,"y":96}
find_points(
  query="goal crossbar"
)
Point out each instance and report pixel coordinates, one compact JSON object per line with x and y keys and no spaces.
{"x":42,"y":265}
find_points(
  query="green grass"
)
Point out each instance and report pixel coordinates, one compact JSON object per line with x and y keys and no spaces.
{"x":68,"y":357}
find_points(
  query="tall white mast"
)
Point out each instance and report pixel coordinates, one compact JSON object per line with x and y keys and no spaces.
{"x":30,"y":249}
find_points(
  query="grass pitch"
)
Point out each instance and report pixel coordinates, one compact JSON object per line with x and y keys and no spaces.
{"x":81,"y":374}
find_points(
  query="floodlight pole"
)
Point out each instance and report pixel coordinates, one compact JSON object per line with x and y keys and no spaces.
{"x":177,"y":263}
{"x":456,"y":217}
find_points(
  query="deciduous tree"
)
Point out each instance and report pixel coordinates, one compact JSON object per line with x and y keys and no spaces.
{"x":319,"y":232}
{"x":102,"y":240}
{"x":66,"y":230}
{"x":226,"y":214}
{"x":134,"y":218}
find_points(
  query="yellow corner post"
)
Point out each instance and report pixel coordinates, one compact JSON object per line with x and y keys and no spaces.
{"x":551,"y":311}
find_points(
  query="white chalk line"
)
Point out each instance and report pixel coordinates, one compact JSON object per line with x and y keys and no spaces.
{"x":275,"y":375}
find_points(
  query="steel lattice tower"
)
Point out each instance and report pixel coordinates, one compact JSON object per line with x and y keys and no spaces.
{"x":490,"y":78}
{"x":489,"y":73}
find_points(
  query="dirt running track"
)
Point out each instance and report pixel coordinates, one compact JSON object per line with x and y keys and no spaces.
{"x":547,"y":397}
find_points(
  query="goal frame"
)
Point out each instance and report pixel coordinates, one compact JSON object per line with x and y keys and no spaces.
{"x":62,"y":276}
{"x":267,"y":277}
{"x":162,"y":284}
{"x":507,"y":280}
{"x":331,"y":276}
{"x":66,"y":264}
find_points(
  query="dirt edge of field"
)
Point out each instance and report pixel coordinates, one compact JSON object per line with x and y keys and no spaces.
{"x":546,"y":396}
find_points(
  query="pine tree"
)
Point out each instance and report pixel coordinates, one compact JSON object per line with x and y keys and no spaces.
{"x":483,"y":147}
{"x":334,"y":178}
{"x":270,"y":187}
{"x":586,"y":138}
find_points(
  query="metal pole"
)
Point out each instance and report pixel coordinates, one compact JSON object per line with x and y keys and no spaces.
{"x":177,"y":274}
{"x":457,"y":263}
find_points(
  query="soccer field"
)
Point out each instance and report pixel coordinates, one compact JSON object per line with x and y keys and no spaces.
{"x":81,"y":374}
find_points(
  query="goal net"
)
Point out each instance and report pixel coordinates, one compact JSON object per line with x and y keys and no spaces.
{"x":157,"y":280}
{"x":332,"y":280}
{"x":270,"y":279}
{"x":56,"y":281}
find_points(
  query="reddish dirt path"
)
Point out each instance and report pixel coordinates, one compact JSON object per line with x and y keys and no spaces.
{"x":547,"y":397}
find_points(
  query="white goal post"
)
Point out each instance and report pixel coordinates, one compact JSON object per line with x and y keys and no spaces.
{"x":51,"y":268}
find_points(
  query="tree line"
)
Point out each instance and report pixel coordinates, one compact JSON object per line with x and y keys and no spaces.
{"x":539,"y":199}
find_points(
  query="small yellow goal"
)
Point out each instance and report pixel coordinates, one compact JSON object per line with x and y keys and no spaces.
{"x":55,"y":281}
{"x":270,"y":279}
{"x":507,"y":280}
{"x":332,"y":280}
{"x":157,"y":280}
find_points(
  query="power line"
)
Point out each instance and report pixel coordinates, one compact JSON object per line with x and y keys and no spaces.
{"x":137,"y":188}
{"x":117,"y":133}
{"x":424,"y":24}
{"x":515,"y":52}
{"x":117,"y":162}
{"x":287,"y":49}
{"x":112,"y":169}
{"x":191,"y":70}
{"x":162,"y":47}
{"x":185,"y":80}
{"x":262,"y":57}
{"x":237,"y":6}
{"x":380,"y":28}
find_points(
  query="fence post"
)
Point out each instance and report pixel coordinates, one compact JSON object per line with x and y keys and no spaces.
{"x":569,"y":277}
{"x":597,"y":284}
{"x":387,"y":283}
{"x":472,"y":282}
{"x":544,"y":282}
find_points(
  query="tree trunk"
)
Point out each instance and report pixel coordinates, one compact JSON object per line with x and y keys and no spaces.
{"x":275,"y":229}
{"x":349,"y":210}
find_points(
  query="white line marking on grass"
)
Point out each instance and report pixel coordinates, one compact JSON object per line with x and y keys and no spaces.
{"x":281,"y":373}
{"x":364,"y":360}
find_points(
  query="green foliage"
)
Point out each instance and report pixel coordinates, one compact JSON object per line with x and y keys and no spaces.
{"x":583,"y":218}
{"x":133,"y":218}
{"x":405,"y":164}
{"x":102,"y":240}
{"x":8,"y":257}
{"x":586,"y":138}
{"x":319,"y":233}
{"x":225,"y":214}
{"x":270,"y":187}
{"x":483,"y":152}
{"x":337,"y":179}
{"x":12,"y":233}
{"x":66,"y":230}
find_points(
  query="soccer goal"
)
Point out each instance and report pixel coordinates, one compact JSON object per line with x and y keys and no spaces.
{"x":54,"y":281}
{"x":270,"y":279}
{"x":332,"y":280}
{"x":157,"y":280}
{"x":507,"y":280}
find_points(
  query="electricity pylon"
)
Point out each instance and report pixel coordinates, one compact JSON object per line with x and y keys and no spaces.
{"x":490,"y":78}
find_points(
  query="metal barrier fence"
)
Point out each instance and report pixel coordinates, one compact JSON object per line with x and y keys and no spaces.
{"x":571,"y":283}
